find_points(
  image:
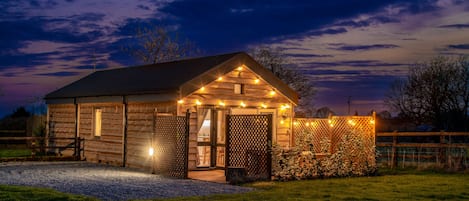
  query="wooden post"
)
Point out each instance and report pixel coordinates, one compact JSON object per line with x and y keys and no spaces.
{"x":394,"y":150}
{"x":124,"y":131}
{"x":186,"y":138}
{"x":441,"y":149}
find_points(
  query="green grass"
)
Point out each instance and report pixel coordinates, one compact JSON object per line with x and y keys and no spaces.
{"x":422,"y":186}
{"x":12,"y":193}
{"x":394,"y":185}
{"x":12,"y":153}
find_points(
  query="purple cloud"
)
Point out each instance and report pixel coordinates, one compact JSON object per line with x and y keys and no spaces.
{"x":59,"y":74}
{"x":366,"y":47}
{"x":459,"y":46}
{"x":456,"y":26}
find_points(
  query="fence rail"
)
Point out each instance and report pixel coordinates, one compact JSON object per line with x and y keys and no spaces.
{"x":441,"y":149}
{"x":44,"y":146}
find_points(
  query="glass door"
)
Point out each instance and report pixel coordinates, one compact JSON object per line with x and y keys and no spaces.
{"x":220,"y":140}
{"x":211,"y":138}
{"x":203,"y":138}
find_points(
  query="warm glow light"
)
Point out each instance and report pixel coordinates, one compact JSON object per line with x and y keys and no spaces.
{"x":372,"y":121}
{"x":180,"y":101}
{"x":263,"y":105}
{"x":296,"y":123}
{"x":221,"y":103}
{"x":151,"y":151}
{"x":242,"y":104}
{"x":197,"y":102}
{"x":307,"y":123}
{"x":351,"y":122}
{"x":202,"y":89}
{"x":284,"y":107}
{"x":282,"y":122}
{"x":240,"y":68}
{"x":272,"y":93}
{"x":257,"y":81}
{"x":220,"y":78}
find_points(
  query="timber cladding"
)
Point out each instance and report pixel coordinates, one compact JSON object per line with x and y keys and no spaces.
{"x":140,"y":128}
{"x":62,"y":124}
{"x":107,"y":147}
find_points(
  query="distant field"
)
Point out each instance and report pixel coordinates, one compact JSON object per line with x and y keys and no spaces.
{"x":394,"y":185}
{"x":11,"y":153}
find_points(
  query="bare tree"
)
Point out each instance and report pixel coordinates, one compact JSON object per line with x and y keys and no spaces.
{"x":324,"y":112}
{"x":156,"y":44}
{"x":434,"y":92}
{"x":275,"y":61}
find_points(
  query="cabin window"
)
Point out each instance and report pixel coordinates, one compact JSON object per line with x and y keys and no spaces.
{"x":239,"y":88}
{"x":97,"y":121}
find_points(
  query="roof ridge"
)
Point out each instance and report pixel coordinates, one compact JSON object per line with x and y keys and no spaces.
{"x":169,"y":62}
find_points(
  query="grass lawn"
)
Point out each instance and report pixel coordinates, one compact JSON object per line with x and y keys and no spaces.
{"x":395,"y":185}
{"x":419,"y":186}
{"x":11,"y":153}
{"x":35,"y":194}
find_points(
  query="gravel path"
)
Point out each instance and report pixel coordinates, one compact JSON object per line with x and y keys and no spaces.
{"x":106,"y":182}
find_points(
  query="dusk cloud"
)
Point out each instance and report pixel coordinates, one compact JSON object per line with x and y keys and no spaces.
{"x":60,"y":74}
{"x":460,"y":46}
{"x":366,"y":47}
{"x":457,"y":26}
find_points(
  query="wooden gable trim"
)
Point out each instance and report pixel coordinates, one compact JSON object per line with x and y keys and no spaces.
{"x":244,"y":60}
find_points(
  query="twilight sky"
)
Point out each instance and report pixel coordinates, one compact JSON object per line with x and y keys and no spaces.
{"x":348,"y":47}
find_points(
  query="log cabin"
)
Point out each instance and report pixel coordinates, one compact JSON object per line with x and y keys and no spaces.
{"x":113,"y":110}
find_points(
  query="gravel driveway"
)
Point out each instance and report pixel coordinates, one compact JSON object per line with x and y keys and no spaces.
{"x":106,"y":182}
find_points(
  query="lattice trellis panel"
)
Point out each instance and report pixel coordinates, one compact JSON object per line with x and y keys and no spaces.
{"x":248,"y":144}
{"x":333,"y":129}
{"x":171,"y":147}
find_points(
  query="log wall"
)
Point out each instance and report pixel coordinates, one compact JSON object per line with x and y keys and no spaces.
{"x":107,"y":148}
{"x":140,"y":129}
{"x":61,"y":124}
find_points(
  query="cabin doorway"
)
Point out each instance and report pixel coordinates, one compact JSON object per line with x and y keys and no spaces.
{"x":211,"y":139}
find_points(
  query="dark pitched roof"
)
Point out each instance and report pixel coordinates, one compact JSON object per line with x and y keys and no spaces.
{"x":183,"y":77}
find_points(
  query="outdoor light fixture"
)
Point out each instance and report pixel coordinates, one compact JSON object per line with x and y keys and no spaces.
{"x":151,"y":151}
{"x":263,"y":105}
{"x":240,"y":68}
{"x":197,"y":102}
{"x":220,"y":78}
{"x":272,"y":93}
{"x":372,"y":121}
{"x":242,"y":104}
{"x":221,"y":103}
{"x":257,"y":81}
{"x":351,"y":122}
{"x":180,"y":101}
{"x":202,"y":89}
{"x":284,"y":107}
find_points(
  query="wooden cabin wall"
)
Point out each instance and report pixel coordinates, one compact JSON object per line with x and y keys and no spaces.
{"x":62,"y":124}
{"x":140,"y":129}
{"x":255,"y":94}
{"x":108,"y":147}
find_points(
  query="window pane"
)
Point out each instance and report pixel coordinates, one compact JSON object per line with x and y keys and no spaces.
{"x":220,"y":127}
{"x":204,"y":156}
{"x":204,"y":132}
{"x":221,"y":156}
{"x":97,"y":122}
